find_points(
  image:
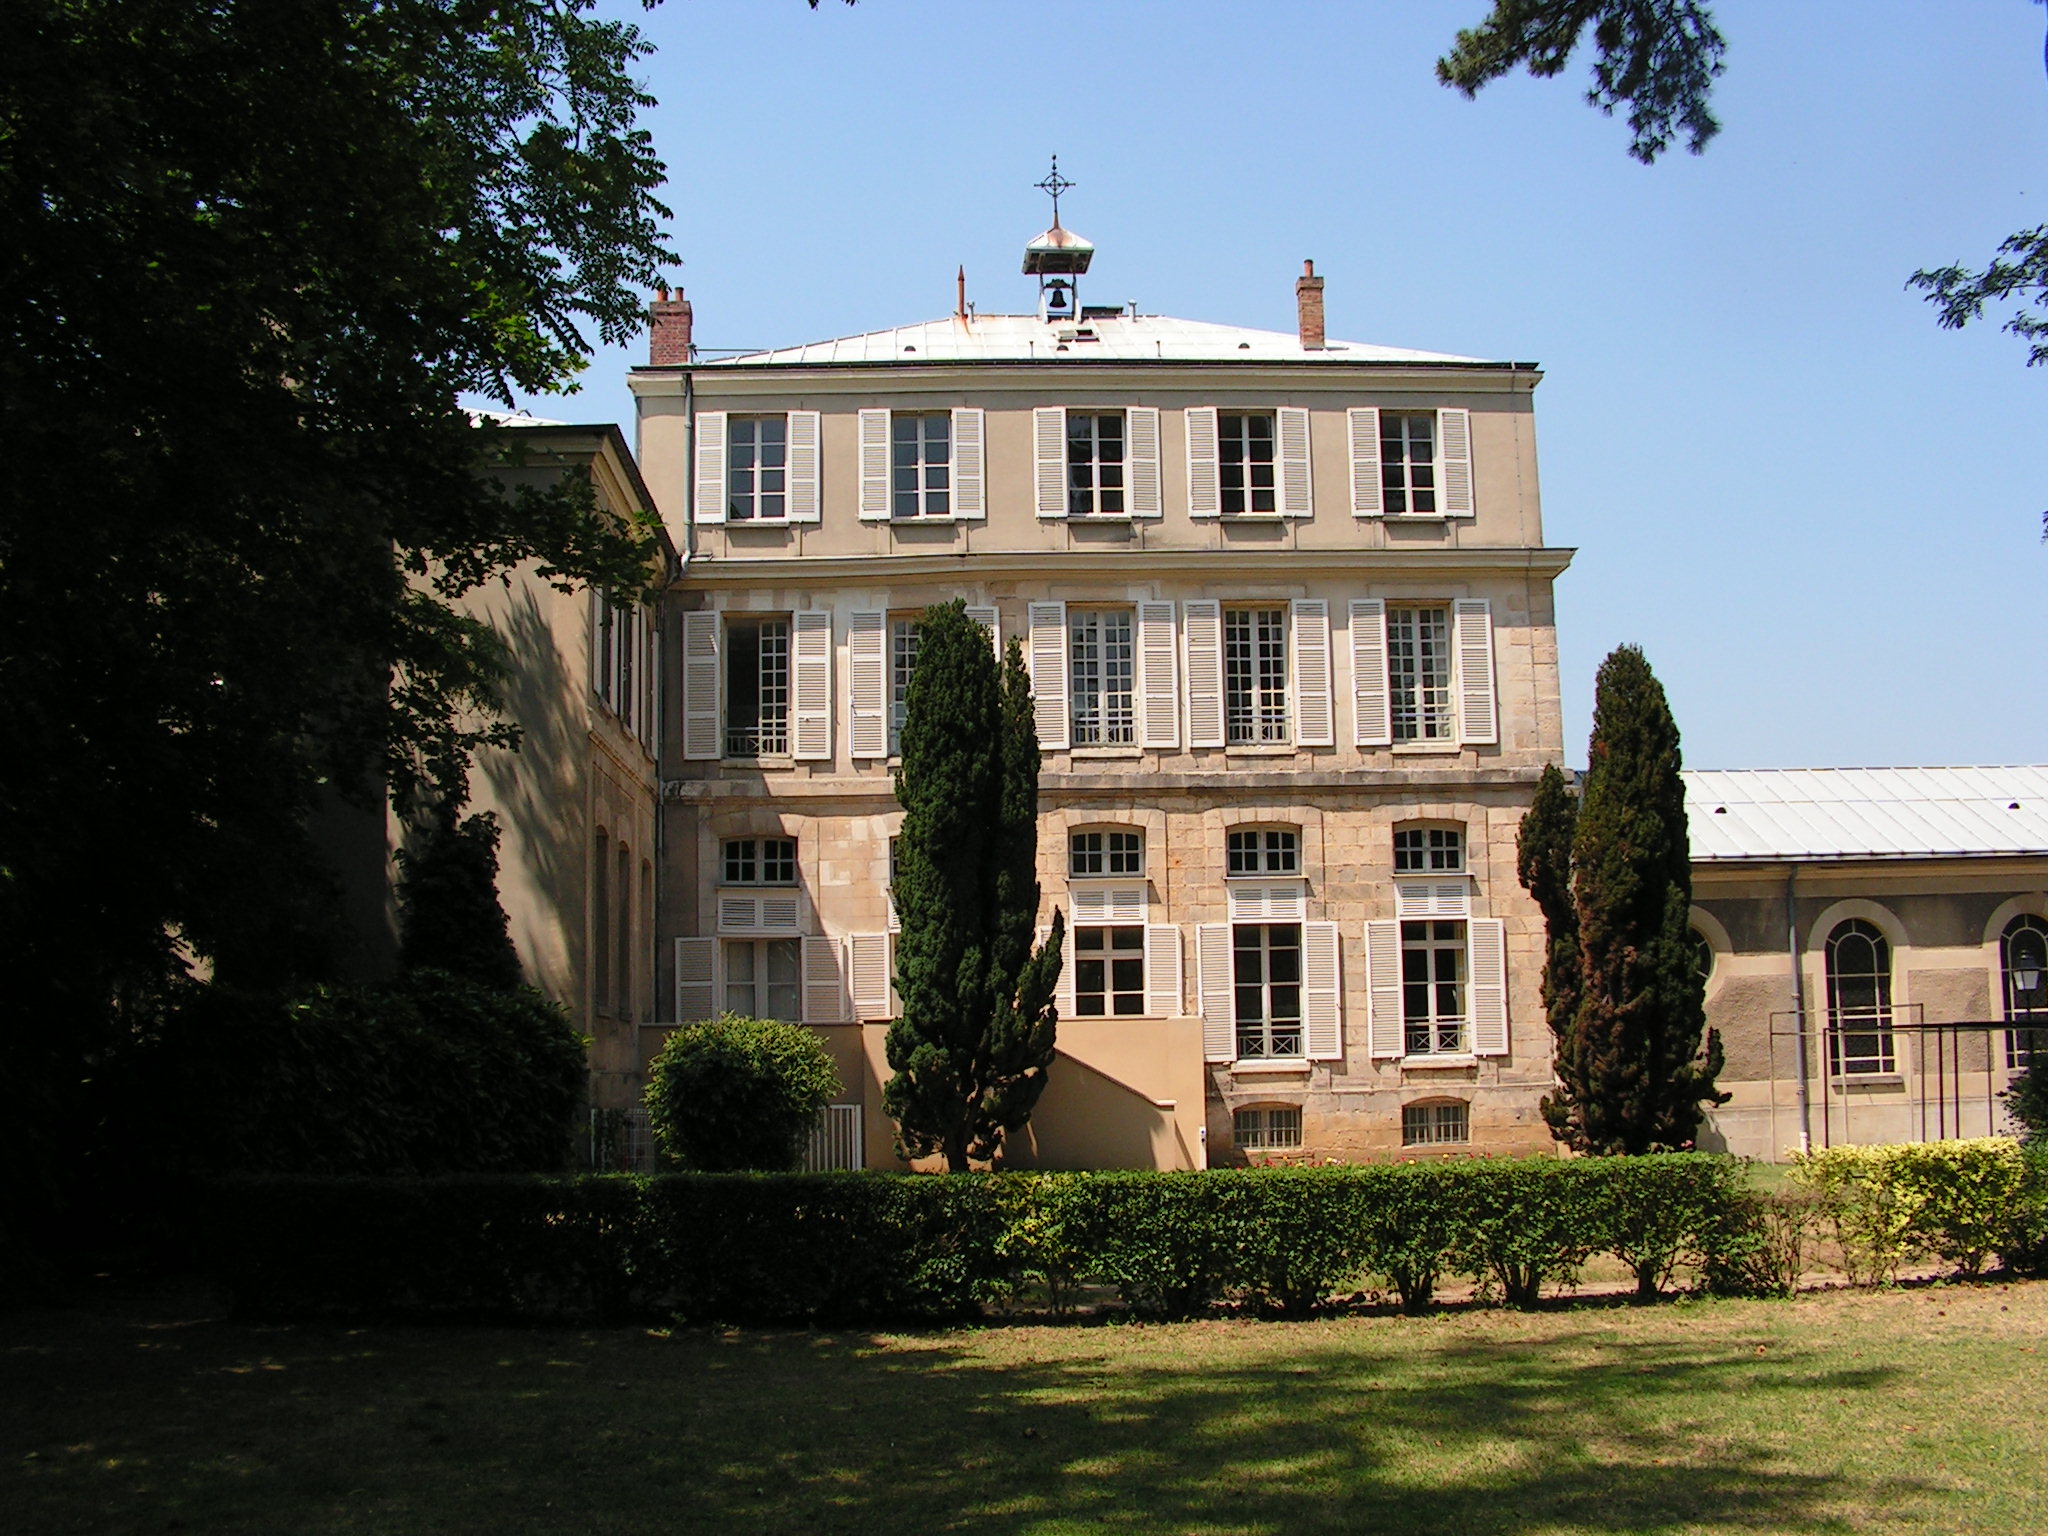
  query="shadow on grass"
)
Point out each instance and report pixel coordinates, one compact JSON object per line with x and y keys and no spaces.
{"x":1220,"y":1427}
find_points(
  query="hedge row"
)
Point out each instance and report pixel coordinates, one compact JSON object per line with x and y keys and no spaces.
{"x":856,"y":1248}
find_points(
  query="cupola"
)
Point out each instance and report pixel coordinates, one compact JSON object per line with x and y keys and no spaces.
{"x":1058,"y":257}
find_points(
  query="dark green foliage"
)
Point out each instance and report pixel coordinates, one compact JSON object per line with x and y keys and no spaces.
{"x":449,"y":918}
{"x":2026,"y":1100}
{"x":1543,"y":861}
{"x":427,"y":1074}
{"x":1631,"y":1071}
{"x":2020,"y":268}
{"x":255,"y":255}
{"x":1660,"y":57}
{"x":972,"y":1046}
{"x":734,"y":1094}
{"x":867,"y":1248}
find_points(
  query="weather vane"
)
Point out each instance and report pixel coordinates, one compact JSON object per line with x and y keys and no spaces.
{"x":1053,"y":186}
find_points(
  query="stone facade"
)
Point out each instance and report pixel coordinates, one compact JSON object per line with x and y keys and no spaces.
{"x":1321,"y":592}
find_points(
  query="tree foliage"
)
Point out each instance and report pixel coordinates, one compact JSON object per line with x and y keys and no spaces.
{"x":1659,"y":58}
{"x":735,"y":1094}
{"x":256,"y":254}
{"x":449,"y":917}
{"x":1543,"y":861}
{"x":972,"y":1046}
{"x":1631,"y":1071}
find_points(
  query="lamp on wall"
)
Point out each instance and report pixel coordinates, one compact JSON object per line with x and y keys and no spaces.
{"x":2027,"y":961}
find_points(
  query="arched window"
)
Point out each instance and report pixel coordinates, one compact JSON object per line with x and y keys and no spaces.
{"x":1702,"y":950}
{"x":1859,"y":960}
{"x":2023,"y":965}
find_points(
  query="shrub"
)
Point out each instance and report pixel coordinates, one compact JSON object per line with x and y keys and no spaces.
{"x":427,"y":1074}
{"x":1758,"y":1243}
{"x":736,"y":1093}
{"x":1160,"y":1240}
{"x":2026,"y":1100}
{"x":1954,"y":1199}
{"x":1411,"y":1226}
{"x":1526,"y":1221}
{"x":1298,"y":1235}
{"x":1652,"y":1212}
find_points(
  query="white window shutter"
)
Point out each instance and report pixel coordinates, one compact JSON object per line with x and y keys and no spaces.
{"x":811,"y":677}
{"x":1048,"y":656}
{"x":1204,"y":624}
{"x":1158,"y":683}
{"x":1367,"y":499}
{"x":1141,"y":463}
{"x":824,"y":982}
{"x":869,"y":957}
{"x":1049,"y":451}
{"x":1472,"y":640}
{"x":710,"y":497}
{"x":1205,"y":484}
{"x":1162,"y":971}
{"x":1218,"y":999}
{"x":1454,"y":460}
{"x":700,"y":686}
{"x":696,"y":980}
{"x":867,"y":683}
{"x":1322,"y":992}
{"x":804,"y":503}
{"x":1290,"y":427}
{"x":970,"y":472}
{"x":986,"y":617}
{"x":1486,"y":940}
{"x":1063,"y":988}
{"x":874,"y":466}
{"x":1385,"y":1033}
{"x":1371,"y":704}
{"x":1314,"y":710}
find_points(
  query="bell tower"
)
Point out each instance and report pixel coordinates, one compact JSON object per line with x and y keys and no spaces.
{"x":1057,"y":258}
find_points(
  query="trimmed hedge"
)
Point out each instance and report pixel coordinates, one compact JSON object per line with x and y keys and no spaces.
{"x":867,"y":1247}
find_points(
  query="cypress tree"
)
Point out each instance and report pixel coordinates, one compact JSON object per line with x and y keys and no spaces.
{"x":1631,"y":1069}
{"x":1543,"y":861}
{"x":449,"y":918}
{"x":973,"y":1042}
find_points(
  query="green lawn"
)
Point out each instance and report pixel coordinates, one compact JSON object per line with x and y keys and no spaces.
{"x":1922,"y":1410}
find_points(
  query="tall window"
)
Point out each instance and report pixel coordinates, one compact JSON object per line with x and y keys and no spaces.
{"x":1419,"y":673}
{"x":1095,"y":463}
{"x":1859,"y":962}
{"x":1109,"y":971}
{"x":1095,"y":855}
{"x":1254,"y":675}
{"x":1246,"y":447}
{"x":1407,"y":462}
{"x":601,"y":924}
{"x":758,"y":861}
{"x":756,"y":687}
{"x":625,"y":992}
{"x":921,"y":465}
{"x":2023,"y":962}
{"x":1263,"y":851}
{"x":761,"y":979}
{"x":904,"y":637}
{"x":1266,"y":970}
{"x":1429,"y":850}
{"x":756,"y":468}
{"x":1101,"y":663}
{"x":1433,"y":988}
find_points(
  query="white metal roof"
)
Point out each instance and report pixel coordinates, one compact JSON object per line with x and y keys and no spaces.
{"x":1119,"y":338}
{"x":1866,"y":813}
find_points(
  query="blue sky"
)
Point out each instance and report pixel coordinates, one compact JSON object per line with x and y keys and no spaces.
{"x":1818,"y":513}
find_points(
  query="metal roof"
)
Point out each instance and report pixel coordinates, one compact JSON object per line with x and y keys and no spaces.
{"x":1866,"y":813}
{"x":1118,"y":338}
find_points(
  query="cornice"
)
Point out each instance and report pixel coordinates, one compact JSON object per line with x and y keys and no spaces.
{"x":820,"y":570}
{"x":1083,"y":374}
{"x":844,"y":795}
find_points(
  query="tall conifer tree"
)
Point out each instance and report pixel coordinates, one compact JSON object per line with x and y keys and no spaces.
{"x":1543,"y":861}
{"x":973,"y":1042}
{"x":1630,"y":1066}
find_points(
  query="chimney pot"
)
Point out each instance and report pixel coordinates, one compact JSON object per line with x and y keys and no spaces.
{"x":1308,"y":298}
{"x":668,"y":329}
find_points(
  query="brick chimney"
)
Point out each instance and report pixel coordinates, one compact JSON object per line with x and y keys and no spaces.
{"x":668,"y":329}
{"x":1308,"y":296}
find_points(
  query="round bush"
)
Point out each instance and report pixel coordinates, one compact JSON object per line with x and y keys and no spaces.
{"x":738,"y":1093}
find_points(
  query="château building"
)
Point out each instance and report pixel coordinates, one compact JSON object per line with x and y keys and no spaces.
{"x":1287,"y":609}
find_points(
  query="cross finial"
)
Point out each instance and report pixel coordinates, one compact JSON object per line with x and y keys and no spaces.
{"x":1053,"y":186}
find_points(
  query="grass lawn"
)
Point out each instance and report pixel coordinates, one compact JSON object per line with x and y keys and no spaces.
{"x":1923,"y":1410}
